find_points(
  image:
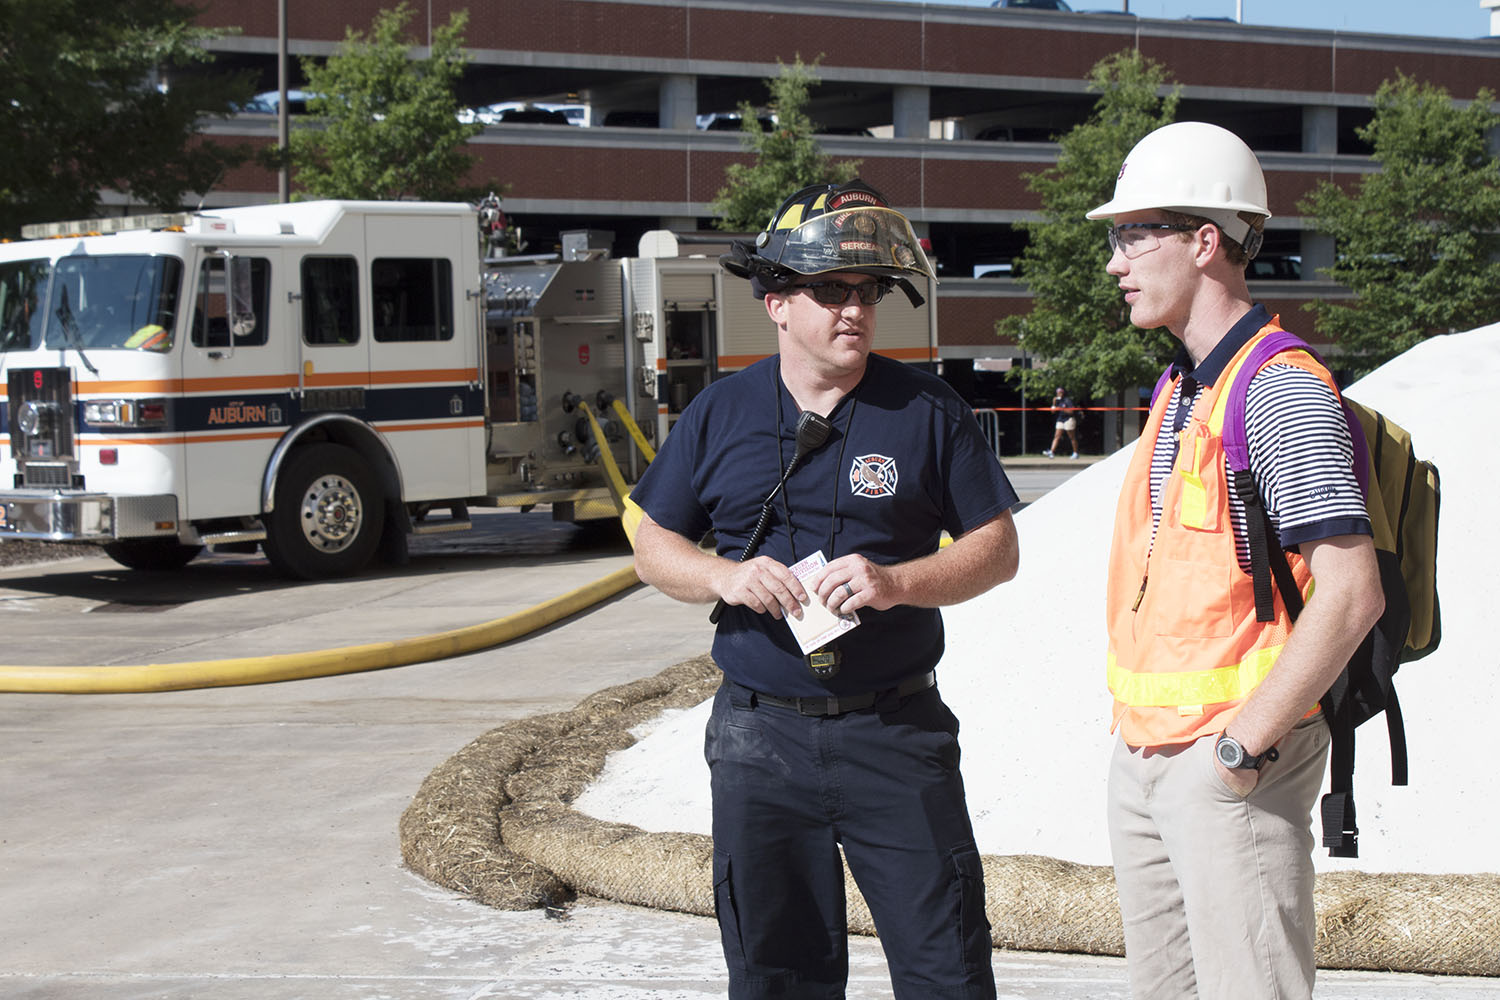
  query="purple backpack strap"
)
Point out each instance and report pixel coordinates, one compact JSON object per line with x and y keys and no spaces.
{"x":1237,"y":447}
{"x":1161,"y":383}
{"x":1361,"y":449}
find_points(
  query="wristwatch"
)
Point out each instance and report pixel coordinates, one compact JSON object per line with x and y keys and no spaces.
{"x":1234,"y":757}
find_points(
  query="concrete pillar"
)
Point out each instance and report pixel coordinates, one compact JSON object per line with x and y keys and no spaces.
{"x":1320,"y":129}
{"x":1317,"y":252}
{"x":677,"y":102}
{"x":911,"y":110}
{"x":1320,"y":134}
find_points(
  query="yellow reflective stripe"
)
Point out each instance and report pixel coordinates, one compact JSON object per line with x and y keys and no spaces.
{"x":791,"y":219}
{"x":1191,"y":687}
{"x":150,"y":336}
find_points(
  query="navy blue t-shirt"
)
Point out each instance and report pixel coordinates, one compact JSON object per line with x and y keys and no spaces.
{"x":905,"y":461}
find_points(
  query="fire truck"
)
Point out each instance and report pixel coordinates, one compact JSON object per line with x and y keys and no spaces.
{"x":325,"y":379}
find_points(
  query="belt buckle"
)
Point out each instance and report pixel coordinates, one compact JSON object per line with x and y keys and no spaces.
{"x":815,"y":707}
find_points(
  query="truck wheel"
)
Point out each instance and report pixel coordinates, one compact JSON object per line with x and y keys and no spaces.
{"x":329,"y":514}
{"x":164,"y":554}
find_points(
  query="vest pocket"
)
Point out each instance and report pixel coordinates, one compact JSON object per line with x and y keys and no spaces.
{"x":1194,"y":599}
{"x":1197,"y":496}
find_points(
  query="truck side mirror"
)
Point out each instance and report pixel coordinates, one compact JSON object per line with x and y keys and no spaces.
{"x":242,"y":318}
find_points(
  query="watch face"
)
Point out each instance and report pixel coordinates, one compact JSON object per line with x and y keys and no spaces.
{"x":1231,"y":754}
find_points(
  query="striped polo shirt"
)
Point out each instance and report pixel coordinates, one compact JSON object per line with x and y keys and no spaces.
{"x":1301,"y":455}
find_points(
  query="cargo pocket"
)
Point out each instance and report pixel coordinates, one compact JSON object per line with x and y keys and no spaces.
{"x":973,"y":926}
{"x":728,"y":916}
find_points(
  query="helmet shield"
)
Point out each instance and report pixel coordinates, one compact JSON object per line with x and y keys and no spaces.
{"x":828,"y":227}
{"x":862,"y":238}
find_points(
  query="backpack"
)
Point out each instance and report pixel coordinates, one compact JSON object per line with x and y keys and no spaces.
{"x":1402,"y":496}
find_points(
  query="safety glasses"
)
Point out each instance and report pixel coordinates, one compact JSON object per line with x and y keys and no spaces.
{"x":1135,"y":238}
{"x":836,"y":293}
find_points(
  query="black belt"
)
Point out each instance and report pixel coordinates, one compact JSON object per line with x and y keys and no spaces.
{"x":849,"y":702}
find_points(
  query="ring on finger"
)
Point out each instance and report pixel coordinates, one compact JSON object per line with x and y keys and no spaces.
{"x":849,"y":590}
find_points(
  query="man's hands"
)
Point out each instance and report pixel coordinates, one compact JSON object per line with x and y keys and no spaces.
{"x":972,"y":564}
{"x":969,"y":566}
{"x":680,"y":569}
{"x":766,"y":586}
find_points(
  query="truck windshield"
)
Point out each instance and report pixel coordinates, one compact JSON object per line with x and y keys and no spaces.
{"x":113,"y":303}
{"x":22,"y":284}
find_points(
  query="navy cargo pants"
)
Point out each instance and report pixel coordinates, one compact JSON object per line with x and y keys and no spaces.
{"x":788,"y":789}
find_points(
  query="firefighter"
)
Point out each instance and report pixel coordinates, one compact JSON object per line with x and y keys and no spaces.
{"x":848,"y":743}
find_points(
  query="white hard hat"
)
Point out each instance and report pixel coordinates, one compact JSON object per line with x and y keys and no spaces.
{"x":1197,"y":169}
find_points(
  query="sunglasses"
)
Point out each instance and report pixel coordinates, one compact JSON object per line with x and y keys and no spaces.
{"x":1135,"y":238}
{"x":836,"y":293}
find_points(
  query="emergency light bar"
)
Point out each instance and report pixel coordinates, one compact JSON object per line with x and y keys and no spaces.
{"x":186,"y":221}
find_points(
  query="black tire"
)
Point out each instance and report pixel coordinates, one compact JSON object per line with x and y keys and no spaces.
{"x":162,"y":554}
{"x":329,"y":514}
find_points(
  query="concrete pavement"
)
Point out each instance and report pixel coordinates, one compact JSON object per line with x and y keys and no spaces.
{"x":241,"y":842}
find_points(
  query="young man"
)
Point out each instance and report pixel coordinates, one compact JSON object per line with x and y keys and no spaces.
{"x":849,"y":744}
{"x":1222,"y":747}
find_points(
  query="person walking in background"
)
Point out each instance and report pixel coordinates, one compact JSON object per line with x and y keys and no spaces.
{"x":1066,"y":415}
{"x":838,"y":741}
{"x":1222,"y":744}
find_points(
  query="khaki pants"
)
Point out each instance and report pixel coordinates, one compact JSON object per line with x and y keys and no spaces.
{"x":1216,"y":892}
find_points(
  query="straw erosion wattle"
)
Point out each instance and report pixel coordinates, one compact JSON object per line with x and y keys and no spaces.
{"x":1024,"y":667}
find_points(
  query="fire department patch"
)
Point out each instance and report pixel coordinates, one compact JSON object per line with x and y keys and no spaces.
{"x":873,"y":476}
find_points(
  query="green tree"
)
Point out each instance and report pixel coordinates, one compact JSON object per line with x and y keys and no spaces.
{"x":1079,"y":328}
{"x":106,"y":96}
{"x":787,"y":156}
{"x":1419,"y":242}
{"x":389,"y":124}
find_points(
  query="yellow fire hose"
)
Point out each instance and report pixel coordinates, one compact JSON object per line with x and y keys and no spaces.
{"x":630,"y":513}
{"x":321,"y":663}
{"x":635,"y":431}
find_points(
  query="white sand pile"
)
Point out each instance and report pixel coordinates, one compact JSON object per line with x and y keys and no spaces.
{"x":1024,"y":668}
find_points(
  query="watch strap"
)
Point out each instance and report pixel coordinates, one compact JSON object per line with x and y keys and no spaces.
{"x":1255,"y":761}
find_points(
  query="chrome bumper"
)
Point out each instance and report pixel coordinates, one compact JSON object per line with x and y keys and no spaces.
{"x":64,"y":516}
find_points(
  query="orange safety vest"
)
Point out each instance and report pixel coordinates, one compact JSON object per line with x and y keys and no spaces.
{"x":1185,"y":649}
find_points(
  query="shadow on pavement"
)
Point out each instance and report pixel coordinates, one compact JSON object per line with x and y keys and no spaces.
{"x":496,"y":541}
